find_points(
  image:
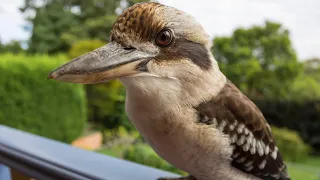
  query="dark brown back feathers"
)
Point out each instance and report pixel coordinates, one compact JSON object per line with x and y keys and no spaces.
{"x":255,"y":151}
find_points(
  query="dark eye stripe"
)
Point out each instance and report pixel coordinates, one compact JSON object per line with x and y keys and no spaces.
{"x":196,"y":52}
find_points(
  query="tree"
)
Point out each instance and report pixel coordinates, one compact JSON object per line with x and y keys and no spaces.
{"x":312,"y":68}
{"x":49,"y":25}
{"x":58,"y":24}
{"x":306,"y":86}
{"x":12,"y":47}
{"x":105,"y":100}
{"x":260,"y":60}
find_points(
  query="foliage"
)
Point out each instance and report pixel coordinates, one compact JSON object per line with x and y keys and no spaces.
{"x":11,"y":47}
{"x":290,"y":145}
{"x":32,"y":103}
{"x":106,"y":104}
{"x":312,"y":68}
{"x":106,"y":100}
{"x":83,"y":46}
{"x":115,"y":151}
{"x":58,"y":24}
{"x":303,"y":117}
{"x":304,"y":88}
{"x":120,"y":135}
{"x":144,"y":154}
{"x":260,"y":60}
{"x":118,"y":140}
{"x":50,"y":24}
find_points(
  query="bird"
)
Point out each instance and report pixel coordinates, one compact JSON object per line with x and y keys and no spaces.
{"x":185,"y":108}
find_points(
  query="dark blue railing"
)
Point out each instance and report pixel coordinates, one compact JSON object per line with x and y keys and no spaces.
{"x":46,"y":159}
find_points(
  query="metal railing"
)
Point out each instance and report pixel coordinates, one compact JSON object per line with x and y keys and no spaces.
{"x":46,"y":159}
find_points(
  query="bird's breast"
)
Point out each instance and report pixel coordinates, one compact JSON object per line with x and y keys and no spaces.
{"x":174,"y":135}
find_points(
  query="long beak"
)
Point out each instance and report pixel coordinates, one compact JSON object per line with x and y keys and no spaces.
{"x":108,"y":62}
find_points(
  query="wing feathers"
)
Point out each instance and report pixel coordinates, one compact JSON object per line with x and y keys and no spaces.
{"x":254,"y":151}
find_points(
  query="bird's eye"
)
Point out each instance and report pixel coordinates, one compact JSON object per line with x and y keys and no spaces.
{"x":164,"y":37}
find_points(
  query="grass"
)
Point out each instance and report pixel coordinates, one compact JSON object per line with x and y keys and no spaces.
{"x":313,"y":161}
{"x":298,"y":173}
{"x":309,"y":170}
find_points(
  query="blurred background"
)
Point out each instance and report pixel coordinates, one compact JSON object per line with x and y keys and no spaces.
{"x":269,"y":49}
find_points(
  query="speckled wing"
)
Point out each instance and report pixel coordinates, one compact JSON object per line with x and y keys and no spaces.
{"x":255,"y":151}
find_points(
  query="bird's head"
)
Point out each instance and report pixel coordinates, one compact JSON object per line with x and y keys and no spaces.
{"x":148,"y":41}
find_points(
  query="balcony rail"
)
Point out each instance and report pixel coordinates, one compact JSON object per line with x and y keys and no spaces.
{"x":46,"y":159}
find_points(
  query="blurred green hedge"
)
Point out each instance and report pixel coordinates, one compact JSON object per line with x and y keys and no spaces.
{"x":83,"y":46}
{"x":300,"y":116}
{"x":105,"y":100}
{"x":31,"y":102}
{"x":290,"y":144}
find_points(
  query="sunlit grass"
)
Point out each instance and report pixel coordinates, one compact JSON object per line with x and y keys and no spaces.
{"x":308,"y":170}
{"x":313,"y":161}
{"x":297,"y":173}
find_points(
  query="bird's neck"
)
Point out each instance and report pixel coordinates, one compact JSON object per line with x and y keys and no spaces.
{"x":163,"y":113}
{"x":168,"y":93}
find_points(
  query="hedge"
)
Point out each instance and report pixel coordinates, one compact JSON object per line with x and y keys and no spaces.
{"x":106,"y":101}
{"x":303,"y":117}
{"x":290,"y":144}
{"x":83,"y":46}
{"x":31,"y":102}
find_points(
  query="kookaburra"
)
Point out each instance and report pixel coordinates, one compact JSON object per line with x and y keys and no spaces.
{"x":177,"y":97}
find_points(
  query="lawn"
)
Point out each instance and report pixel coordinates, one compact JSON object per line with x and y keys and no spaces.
{"x":309,"y":170}
{"x":298,"y":173}
{"x":313,"y":161}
